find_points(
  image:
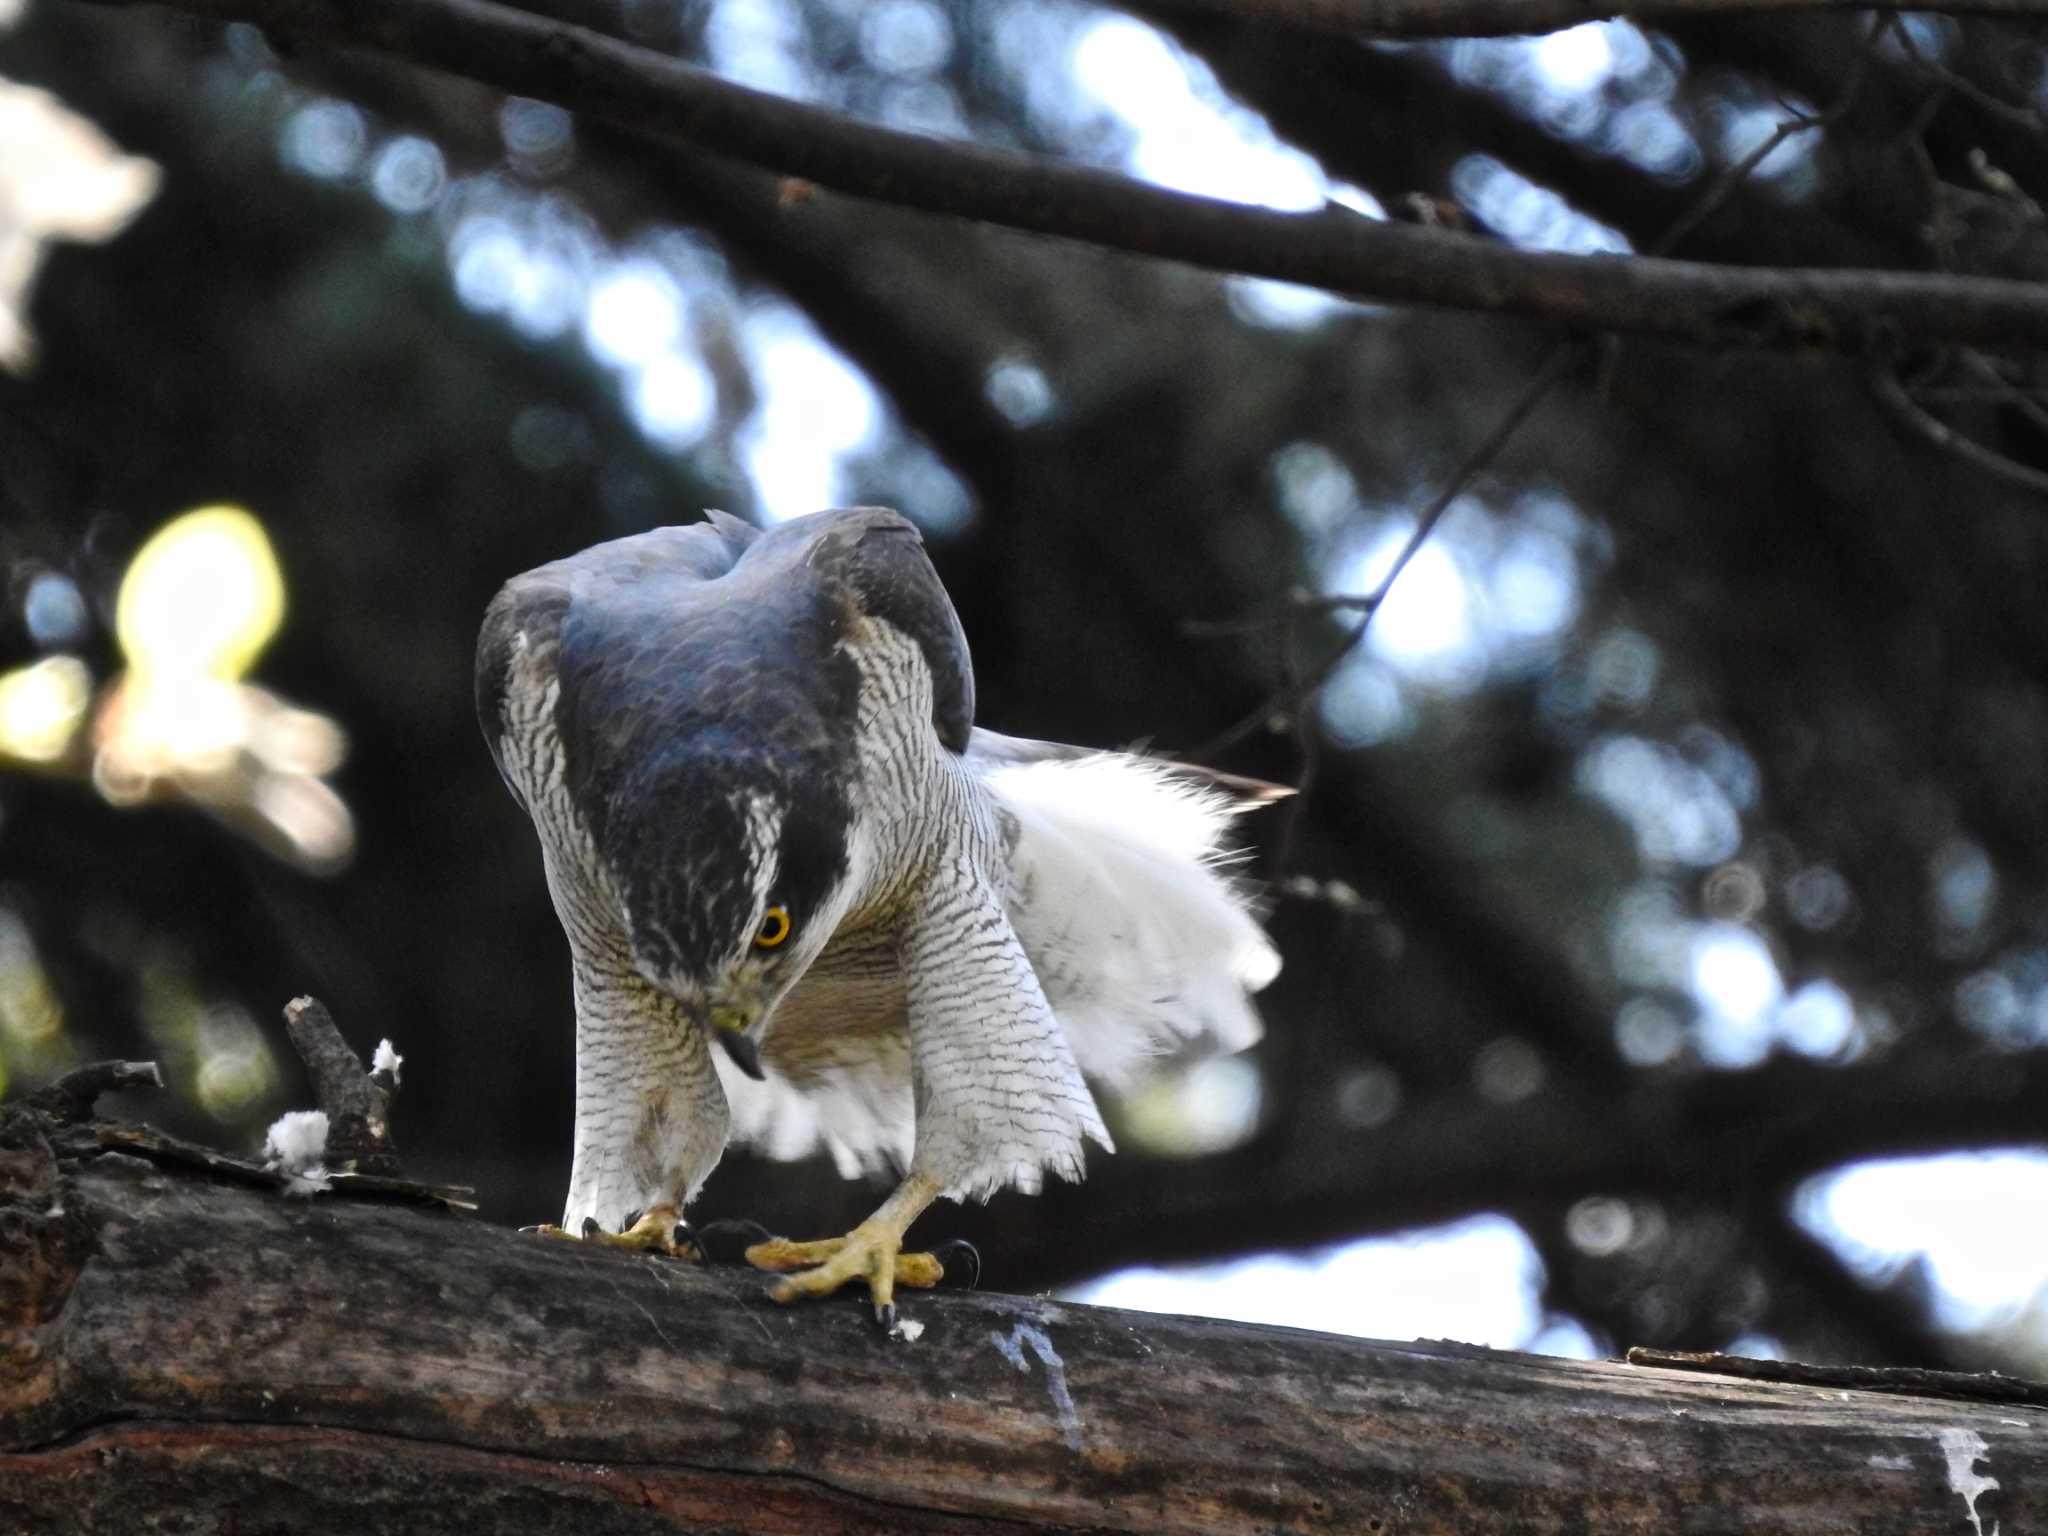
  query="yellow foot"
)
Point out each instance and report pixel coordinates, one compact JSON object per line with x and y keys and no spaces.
{"x":659,"y":1229}
{"x":865,"y":1253}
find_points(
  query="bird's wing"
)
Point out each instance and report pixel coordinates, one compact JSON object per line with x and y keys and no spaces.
{"x":514,"y":651}
{"x":717,"y":633}
{"x":524,"y":627}
{"x":1121,"y":894}
{"x":992,"y":749}
{"x":879,"y":556}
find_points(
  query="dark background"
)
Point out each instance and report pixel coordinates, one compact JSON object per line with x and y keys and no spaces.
{"x":1791,"y":700}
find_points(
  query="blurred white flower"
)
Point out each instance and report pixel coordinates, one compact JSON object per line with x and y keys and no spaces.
{"x":60,"y":179}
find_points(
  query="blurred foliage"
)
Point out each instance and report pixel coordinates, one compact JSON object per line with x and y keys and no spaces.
{"x":1688,"y":786}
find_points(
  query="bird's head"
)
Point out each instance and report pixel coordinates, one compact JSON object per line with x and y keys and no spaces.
{"x":732,"y":895}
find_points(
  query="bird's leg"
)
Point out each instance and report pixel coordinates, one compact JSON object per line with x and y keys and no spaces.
{"x":872,"y":1251}
{"x":658,"y":1229}
{"x":651,"y":1118}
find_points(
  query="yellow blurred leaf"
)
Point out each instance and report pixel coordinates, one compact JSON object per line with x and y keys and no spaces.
{"x":201,"y":599}
{"x":42,"y":707}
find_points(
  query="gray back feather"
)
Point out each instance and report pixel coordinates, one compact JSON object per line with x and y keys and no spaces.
{"x":707,"y":661}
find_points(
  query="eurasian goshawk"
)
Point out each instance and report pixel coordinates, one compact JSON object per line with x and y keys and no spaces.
{"x":768,"y":820}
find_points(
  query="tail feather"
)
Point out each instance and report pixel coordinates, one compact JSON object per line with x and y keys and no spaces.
{"x":1121,"y":893}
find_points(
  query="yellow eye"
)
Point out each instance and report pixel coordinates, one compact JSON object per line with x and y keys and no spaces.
{"x":775,"y":926}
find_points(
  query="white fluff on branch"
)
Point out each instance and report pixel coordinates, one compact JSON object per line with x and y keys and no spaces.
{"x":294,"y":1146}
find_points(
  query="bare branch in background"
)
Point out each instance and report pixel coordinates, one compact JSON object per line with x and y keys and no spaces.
{"x":2011,"y":112}
{"x":1509,"y":18}
{"x":1795,"y":123}
{"x":1289,"y":703}
{"x":1334,"y":249}
{"x":1997,"y":386}
{"x":1916,"y":419}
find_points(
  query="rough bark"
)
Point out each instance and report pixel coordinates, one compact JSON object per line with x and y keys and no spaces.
{"x":227,"y":1359}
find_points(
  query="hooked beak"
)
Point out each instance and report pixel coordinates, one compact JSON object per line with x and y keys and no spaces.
{"x":729,"y":1027}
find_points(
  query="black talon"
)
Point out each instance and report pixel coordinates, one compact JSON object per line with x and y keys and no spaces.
{"x":590,"y":1227}
{"x":632,"y":1220}
{"x":971,"y":1257}
{"x":885,"y":1316}
{"x":685,"y":1236}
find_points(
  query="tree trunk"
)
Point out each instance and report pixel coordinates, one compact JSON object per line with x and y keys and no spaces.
{"x":187,"y":1352}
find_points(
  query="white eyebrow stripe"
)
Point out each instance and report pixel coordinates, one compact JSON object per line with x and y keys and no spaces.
{"x":763,"y":819}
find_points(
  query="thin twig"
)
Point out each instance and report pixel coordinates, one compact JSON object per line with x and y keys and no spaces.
{"x":647,"y":92}
{"x":1794,"y":124}
{"x":1287,"y":706}
{"x":2007,"y":392}
{"x":1301,"y":601}
{"x":1978,"y":394}
{"x":1970,"y":90}
{"x":1283,"y":706}
{"x":1941,"y":231}
{"x":146,"y":1141}
{"x":1923,"y":424}
{"x":1913,"y":1381}
{"x":1730,"y":177}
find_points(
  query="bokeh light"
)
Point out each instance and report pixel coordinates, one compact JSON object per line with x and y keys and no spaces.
{"x":42,"y":706}
{"x":31,"y":1017}
{"x":325,"y":139}
{"x":1955,"y":1213}
{"x":408,"y":174}
{"x":54,"y":610}
{"x":1185,"y":133}
{"x":1207,"y":1106}
{"x":1477,"y":1280}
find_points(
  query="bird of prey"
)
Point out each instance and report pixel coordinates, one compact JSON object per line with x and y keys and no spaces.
{"x":769,"y":823}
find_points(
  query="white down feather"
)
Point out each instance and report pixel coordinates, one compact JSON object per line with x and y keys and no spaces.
{"x":861,"y":1114}
{"x":1120,"y":893}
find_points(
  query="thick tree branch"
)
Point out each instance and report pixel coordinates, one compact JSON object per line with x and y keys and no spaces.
{"x":1333,"y":249}
{"x":1354,"y":108}
{"x":337,"y":1365}
{"x":1507,"y":18}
